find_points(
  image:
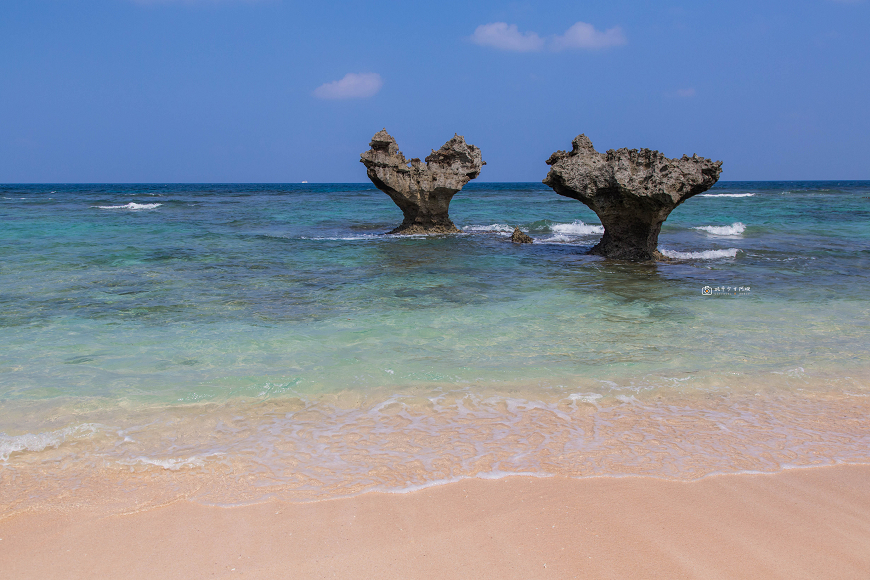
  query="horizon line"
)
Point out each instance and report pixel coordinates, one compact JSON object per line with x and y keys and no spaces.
{"x":18,"y":183}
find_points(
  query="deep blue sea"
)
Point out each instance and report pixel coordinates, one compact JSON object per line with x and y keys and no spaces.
{"x":236,"y":341}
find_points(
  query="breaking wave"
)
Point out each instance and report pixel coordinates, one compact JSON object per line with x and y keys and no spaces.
{"x":705,"y":255}
{"x":734,"y":229}
{"x":726,"y":195}
{"x":498,"y":228}
{"x":578,"y":228}
{"x":344,"y":238}
{"x":567,"y":233}
{"x":558,"y":238}
{"x":131,"y":205}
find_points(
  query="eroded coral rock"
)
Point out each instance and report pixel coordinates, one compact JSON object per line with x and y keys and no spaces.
{"x":422,"y":190}
{"x":632,"y":191}
{"x":519,"y":237}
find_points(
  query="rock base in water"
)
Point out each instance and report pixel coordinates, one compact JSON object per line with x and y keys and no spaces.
{"x":632,"y":191}
{"x":422,"y":190}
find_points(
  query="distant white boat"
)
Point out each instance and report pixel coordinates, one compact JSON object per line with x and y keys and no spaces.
{"x":304,"y":182}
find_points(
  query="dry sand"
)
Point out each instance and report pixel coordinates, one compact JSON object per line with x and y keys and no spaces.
{"x":807,"y":523}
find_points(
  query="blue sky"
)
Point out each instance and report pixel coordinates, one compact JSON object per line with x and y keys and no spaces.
{"x":284,"y":91}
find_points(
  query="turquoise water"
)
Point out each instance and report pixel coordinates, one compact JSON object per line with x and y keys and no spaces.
{"x":122,"y":305}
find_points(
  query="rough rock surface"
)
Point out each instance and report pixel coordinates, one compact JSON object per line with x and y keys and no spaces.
{"x":519,"y":237}
{"x":632,"y":191}
{"x":422,"y":190}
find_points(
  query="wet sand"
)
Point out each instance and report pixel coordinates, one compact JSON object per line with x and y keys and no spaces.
{"x":803,"y":523}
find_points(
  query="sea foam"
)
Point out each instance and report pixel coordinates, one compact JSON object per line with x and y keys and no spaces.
{"x":491,"y":475}
{"x":734,"y":229}
{"x":566,"y":233}
{"x":10,"y":444}
{"x":726,"y":195}
{"x":705,"y":255}
{"x":341,"y":238}
{"x":558,"y":238}
{"x":169,"y":463}
{"x":132,"y":205}
{"x":578,"y":228}
{"x":498,"y":228}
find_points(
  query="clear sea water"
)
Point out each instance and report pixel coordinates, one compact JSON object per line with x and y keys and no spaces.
{"x":236,"y":341}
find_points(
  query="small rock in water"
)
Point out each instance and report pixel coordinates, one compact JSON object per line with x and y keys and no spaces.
{"x":519,"y":237}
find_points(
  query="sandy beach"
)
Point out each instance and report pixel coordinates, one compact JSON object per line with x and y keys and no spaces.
{"x":801,"y":523}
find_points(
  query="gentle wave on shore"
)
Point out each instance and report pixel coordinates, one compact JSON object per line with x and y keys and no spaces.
{"x":347,"y":443}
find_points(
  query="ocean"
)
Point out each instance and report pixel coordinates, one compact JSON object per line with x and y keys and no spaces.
{"x":228,"y":343}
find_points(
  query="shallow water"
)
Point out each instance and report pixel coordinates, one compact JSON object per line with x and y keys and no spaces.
{"x":271,"y":332}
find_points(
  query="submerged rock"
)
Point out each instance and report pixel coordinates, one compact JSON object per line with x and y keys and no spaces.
{"x":519,"y":237}
{"x":632,"y":191}
{"x":422,"y":190}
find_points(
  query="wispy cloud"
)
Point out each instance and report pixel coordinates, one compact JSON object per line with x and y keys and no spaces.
{"x":581,"y":35}
{"x":352,"y":86}
{"x":506,"y":37}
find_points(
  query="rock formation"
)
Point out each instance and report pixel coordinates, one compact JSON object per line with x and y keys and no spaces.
{"x":632,"y":191}
{"x":422,"y":191}
{"x":519,"y":237}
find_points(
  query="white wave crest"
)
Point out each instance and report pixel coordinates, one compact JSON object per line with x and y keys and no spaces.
{"x":734,"y":229}
{"x":557,"y":239}
{"x":10,"y":444}
{"x":361,"y":237}
{"x":578,"y":228}
{"x":705,"y":255}
{"x":342,"y":238}
{"x":726,"y":195}
{"x":132,"y":205}
{"x":500,"y":228}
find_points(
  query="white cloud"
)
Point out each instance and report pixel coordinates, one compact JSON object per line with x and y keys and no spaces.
{"x":583,"y":35}
{"x":352,"y":86}
{"x":500,"y":35}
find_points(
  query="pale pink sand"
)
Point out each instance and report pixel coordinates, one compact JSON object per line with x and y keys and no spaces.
{"x":808,"y":523}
